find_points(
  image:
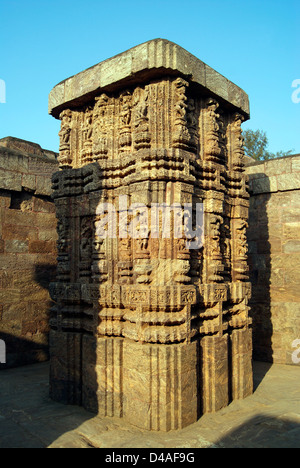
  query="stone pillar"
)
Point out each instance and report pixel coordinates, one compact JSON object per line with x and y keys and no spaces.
{"x":151,"y":320}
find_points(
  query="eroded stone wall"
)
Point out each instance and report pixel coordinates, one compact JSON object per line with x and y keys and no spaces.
{"x":27,"y":249}
{"x":274,"y":255}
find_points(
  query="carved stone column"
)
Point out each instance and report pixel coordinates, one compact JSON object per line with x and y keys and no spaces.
{"x":151,"y":321}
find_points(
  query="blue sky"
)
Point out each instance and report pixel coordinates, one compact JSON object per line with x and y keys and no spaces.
{"x":253,"y":43}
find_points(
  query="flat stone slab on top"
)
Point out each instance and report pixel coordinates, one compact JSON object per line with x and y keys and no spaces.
{"x":157,"y":57}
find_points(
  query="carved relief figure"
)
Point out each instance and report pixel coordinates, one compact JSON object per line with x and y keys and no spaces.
{"x":99,"y":267}
{"x":212,"y":149}
{"x":85,"y":247}
{"x":181,"y":136}
{"x":125,"y":121}
{"x":142,"y":136}
{"x":222,"y":137}
{"x":63,"y":250}
{"x":213,"y":248}
{"x":192,"y":123}
{"x":142,"y":244}
{"x":240,"y":265}
{"x":237,"y":142}
{"x":64,"y":157}
{"x":241,"y":239}
{"x":100,"y":141}
{"x":226,"y":248}
{"x":87,"y":133}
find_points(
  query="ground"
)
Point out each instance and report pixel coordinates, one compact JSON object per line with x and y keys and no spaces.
{"x":270,"y":418}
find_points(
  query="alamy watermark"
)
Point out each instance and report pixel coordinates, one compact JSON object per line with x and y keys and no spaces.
{"x":161,"y":220}
{"x":2,"y":92}
{"x":296,"y":93}
{"x":296,"y":353}
{"x":2,"y":352}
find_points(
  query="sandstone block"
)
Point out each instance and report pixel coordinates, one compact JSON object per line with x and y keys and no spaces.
{"x":16,"y":246}
{"x":20,"y":279}
{"x":38,"y":246}
{"x":291,"y":246}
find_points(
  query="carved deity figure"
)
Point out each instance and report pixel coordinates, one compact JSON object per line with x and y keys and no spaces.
{"x":63,"y":250}
{"x":100,"y":145}
{"x":65,"y":158}
{"x":237,"y":146}
{"x":87,"y":133}
{"x":192,"y":123}
{"x":125,"y":121}
{"x":215,"y":265}
{"x":87,"y":130}
{"x":241,"y":239}
{"x":86,"y":237}
{"x":65,"y":131}
{"x":212,"y":148}
{"x":180,"y":104}
{"x":125,"y":114}
{"x":215,"y":235}
{"x":142,"y":135}
{"x":181,"y":136}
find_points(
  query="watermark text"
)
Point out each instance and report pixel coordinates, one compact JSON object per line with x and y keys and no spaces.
{"x":296,"y":353}
{"x":139,"y":221}
{"x":2,"y":352}
{"x":296,"y":93}
{"x":2,"y":92}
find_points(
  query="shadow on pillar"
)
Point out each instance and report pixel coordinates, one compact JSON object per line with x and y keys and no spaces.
{"x":74,"y":314}
{"x":260,"y":263}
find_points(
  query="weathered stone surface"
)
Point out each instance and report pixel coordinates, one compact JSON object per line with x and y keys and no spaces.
{"x":151,"y":325}
{"x":274,"y":237}
{"x":26,"y":147}
{"x":267,"y":419}
{"x":27,"y":256}
{"x":154,"y":58}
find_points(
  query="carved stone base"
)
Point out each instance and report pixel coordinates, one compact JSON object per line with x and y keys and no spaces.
{"x":152,"y":386}
{"x":241,"y":367}
{"x":214,"y":374}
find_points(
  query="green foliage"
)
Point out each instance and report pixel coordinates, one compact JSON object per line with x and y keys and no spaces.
{"x":256,"y":144}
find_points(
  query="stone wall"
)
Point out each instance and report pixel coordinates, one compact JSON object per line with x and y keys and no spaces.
{"x":28,"y":253}
{"x":27,"y":249}
{"x":274,"y":248}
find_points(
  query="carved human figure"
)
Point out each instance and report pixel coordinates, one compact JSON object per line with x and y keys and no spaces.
{"x":212,"y":149}
{"x":125,"y":121}
{"x":237,"y":145}
{"x":125,"y":113}
{"x":87,"y":130}
{"x":64,"y":157}
{"x":87,"y":133}
{"x":65,"y":131}
{"x":241,"y":239}
{"x":100,"y":143}
{"x":142,"y":135}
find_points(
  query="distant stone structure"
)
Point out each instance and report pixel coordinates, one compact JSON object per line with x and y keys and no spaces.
{"x":147,"y":328}
{"x":274,"y":256}
{"x":27,"y":250}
